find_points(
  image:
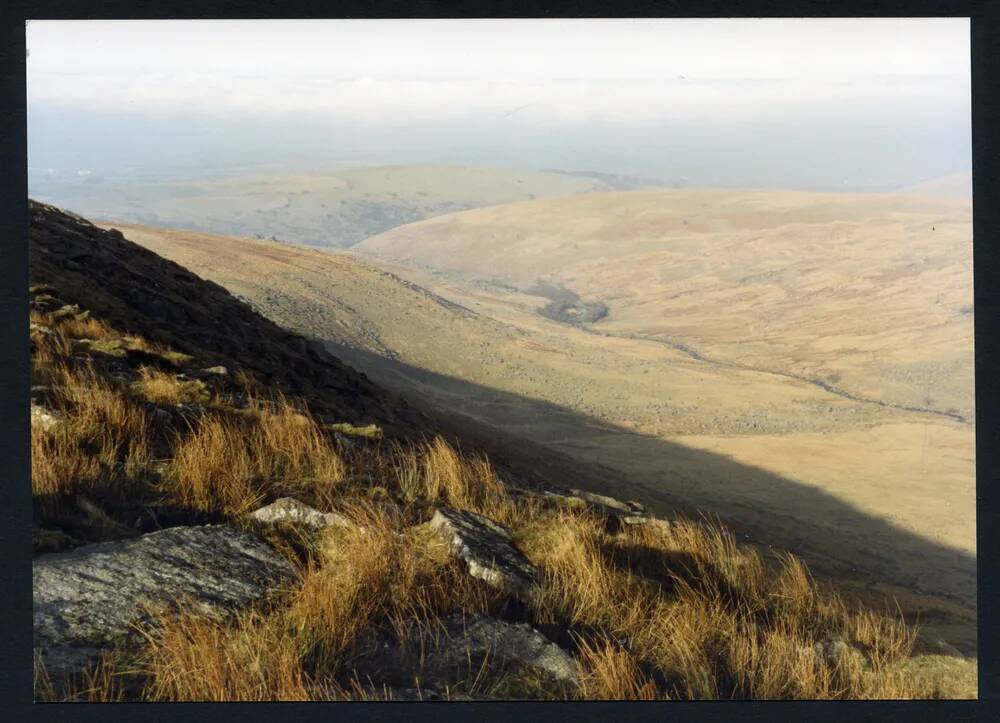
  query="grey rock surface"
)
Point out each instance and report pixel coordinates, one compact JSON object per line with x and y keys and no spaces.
{"x":478,"y":636}
{"x":91,"y":597}
{"x":290,"y":510}
{"x":462,"y":649}
{"x":615,"y":511}
{"x":487,"y":548}
{"x":207,"y":374}
{"x":610,"y":505}
{"x":46,"y":419}
{"x":837,"y":652}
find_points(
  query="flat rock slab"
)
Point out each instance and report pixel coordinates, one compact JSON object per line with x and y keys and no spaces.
{"x":290,"y":510}
{"x":206,"y":373}
{"x":91,"y":597}
{"x":610,"y":504}
{"x":47,"y":419}
{"x":487,"y":548}
{"x":478,"y":636}
{"x":463,"y":649}
{"x":617,"y":514}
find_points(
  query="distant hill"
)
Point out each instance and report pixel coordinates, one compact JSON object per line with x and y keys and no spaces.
{"x":832,"y":286}
{"x":320,"y":209}
{"x":957,"y":184}
{"x":619,"y":182}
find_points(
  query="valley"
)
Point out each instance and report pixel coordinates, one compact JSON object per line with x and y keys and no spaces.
{"x":331,"y":208}
{"x":806,"y":426}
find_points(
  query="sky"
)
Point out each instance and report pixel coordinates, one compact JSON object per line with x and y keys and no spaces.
{"x":695,"y":99}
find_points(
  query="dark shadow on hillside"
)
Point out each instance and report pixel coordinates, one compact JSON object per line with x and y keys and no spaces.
{"x":835,"y":538}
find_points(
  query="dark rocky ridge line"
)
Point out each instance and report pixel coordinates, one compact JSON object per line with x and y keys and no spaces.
{"x":138,"y":291}
{"x":134,"y":288}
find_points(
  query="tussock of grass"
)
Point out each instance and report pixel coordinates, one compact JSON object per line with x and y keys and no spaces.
{"x":436,"y":472}
{"x":612,"y":673}
{"x":192,"y":658}
{"x":164,"y":389}
{"x":102,"y":682}
{"x":102,"y":445}
{"x":709,"y":618}
{"x":380,"y":575}
{"x":86,"y":327}
{"x":232,"y":462}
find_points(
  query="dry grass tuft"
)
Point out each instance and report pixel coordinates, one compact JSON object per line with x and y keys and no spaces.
{"x":707,"y":616}
{"x":382,"y":573}
{"x":437,"y":472}
{"x":100,"y":447}
{"x":192,"y":658}
{"x":84,"y":327}
{"x":611,"y":673}
{"x":379,"y":575}
{"x":232,"y":462}
{"x":165,"y":389}
{"x":101,"y":682}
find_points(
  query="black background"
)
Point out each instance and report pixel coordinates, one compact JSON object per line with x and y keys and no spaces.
{"x":15,"y":489}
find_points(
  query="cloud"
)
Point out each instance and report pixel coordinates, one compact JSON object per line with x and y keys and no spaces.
{"x":600,"y":71}
{"x":400,"y":101}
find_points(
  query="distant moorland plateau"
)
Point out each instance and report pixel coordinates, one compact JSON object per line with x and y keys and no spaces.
{"x":800,"y":364}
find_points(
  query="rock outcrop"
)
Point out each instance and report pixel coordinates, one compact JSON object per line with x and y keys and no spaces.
{"x":132,"y":288}
{"x":614,"y":511}
{"x":487,"y":549}
{"x":46,"y":419}
{"x":477,"y":637}
{"x":290,"y":510}
{"x":629,"y":512}
{"x":92,"y":597}
{"x":466,"y":648}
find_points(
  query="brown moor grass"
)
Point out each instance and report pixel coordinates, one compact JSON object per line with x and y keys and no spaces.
{"x":231,"y":462}
{"x":678,"y":611}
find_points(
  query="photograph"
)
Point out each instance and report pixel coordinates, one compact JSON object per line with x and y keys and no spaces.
{"x":450,"y":360}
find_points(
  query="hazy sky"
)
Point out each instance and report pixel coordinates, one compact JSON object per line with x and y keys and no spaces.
{"x":487,"y":83}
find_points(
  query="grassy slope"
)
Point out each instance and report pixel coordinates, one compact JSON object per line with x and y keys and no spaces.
{"x":681,"y":612}
{"x":335,"y":209}
{"x":790,"y":462}
{"x":870,"y":293}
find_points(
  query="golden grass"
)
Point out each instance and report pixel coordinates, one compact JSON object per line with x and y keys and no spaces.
{"x":612,"y":673}
{"x":679,"y":611}
{"x":84,"y":327}
{"x":378,"y":575}
{"x":382,"y":573}
{"x":100,"y":682}
{"x":163,"y":388}
{"x":436,"y":472}
{"x":102,"y":444}
{"x":743,"y":633}
{"x":191,"y":658}
{"x":231,"y":462}
{"x":708,"y":616}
